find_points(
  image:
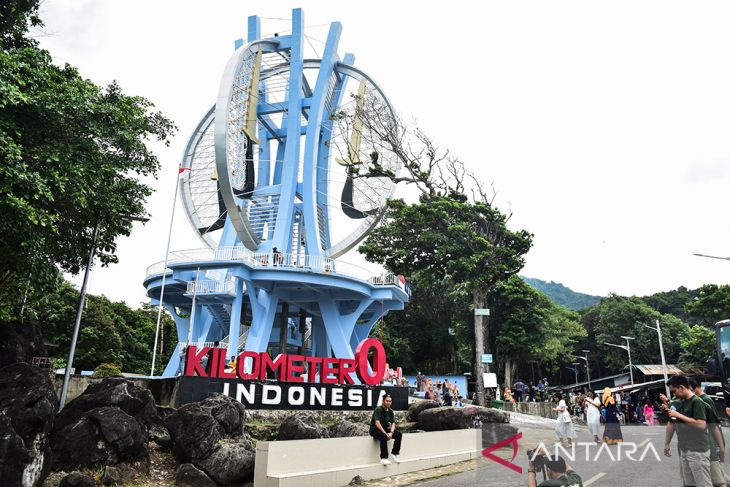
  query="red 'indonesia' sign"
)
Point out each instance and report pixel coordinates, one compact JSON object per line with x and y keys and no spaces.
{"x":290,"y":368}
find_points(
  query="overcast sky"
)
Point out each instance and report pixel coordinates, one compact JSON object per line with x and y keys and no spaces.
{"x":605,"y":126}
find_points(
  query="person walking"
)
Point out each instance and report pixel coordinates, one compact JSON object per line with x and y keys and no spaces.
{"x":541,"y":389}
{"x":593,"y":415}
{"x":564,"y":425}
{"x":531,"y":392}
{"x":649,"y":414}
{"x":688,"y":417}
{"x":519,"y":389}
{"x":612,"y":432}
{"x":717,"y":441}
{"x":382,"y":428}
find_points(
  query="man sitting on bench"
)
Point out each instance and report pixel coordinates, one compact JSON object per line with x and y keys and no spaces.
{"x":382,"y":428}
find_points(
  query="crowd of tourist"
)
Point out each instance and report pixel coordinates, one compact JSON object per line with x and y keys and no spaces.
{"x":522,"y":392}
{"x":445,"y":393}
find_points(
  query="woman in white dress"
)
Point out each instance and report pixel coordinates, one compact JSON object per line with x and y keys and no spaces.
{"x":593,"y":415}
{"x":564,"y":425}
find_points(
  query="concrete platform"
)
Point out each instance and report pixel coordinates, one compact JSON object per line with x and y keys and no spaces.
{"x":331,"y":462}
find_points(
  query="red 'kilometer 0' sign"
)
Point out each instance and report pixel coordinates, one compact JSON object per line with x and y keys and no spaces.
{"x":291,"y":368}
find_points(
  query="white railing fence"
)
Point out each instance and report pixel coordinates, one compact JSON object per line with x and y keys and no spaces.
{"x":311,"y":263}
{"x":209,"y":286}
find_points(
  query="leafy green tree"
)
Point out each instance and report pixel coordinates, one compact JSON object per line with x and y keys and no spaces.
{"x":673,"y":302}
{"x":16,"y":18}
{"x":698,"y":344}
{"x":433,"y":331}
{"x":447,"y":234}
{"x":615,"y":316}
{"x":107,"y":370}
{"x":71,"y":157}
{"x":449,"y":237}
{"x":712,"y":305}
{"x":111,"y":332}
{"x":529,"y":328}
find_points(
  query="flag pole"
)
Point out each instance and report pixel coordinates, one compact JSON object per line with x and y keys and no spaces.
{"x":180,"y":170}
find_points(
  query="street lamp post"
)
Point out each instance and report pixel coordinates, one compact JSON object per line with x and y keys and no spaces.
{"x":574,"y":368}
{"x":80,"y":309}
{"x":77,"y":322}
{"x":626,"y":347}
{"x":588,"y":368}
{"x":658,"y":330}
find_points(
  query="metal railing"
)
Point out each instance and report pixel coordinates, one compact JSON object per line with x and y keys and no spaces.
{"x":241,"y":338}
{"x":310,"y":263}
{"x":209,"y":286}
{"x":385,"y":280}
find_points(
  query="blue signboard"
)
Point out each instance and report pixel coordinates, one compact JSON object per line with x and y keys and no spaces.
{"x":487,"y":358}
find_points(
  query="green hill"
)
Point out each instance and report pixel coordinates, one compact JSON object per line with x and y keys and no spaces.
{"x":562,"y":295}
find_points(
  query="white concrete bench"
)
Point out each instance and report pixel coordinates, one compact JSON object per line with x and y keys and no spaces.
{"x":335,"y":461}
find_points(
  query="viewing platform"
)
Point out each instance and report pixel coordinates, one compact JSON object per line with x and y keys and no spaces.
{"x":206,"y":258}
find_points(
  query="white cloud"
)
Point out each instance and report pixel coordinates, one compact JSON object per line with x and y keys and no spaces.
{"x":590,"y":117}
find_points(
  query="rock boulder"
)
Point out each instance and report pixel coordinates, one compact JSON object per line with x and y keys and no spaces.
{"x":209,"y":434}
{"x":232,"y":463}
{"x":118,"y":392}
{"x":77,"y":479}
{"x":454,"y":418}
{"x":102,"y":436}
{"x":20,"y":342}
{"x":417,"y":407}
{"x":194,"y":433}
{"x":189,"y":476}
{"x":28,"y":404}
{"x":344,"y":429}
{"x":229,"y":414}
{"x":300,"y":427}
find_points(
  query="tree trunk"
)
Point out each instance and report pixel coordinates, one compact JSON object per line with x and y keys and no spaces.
{"x":508,"y":373}
{"x":454,"y":358}
{"x":481,"y":339}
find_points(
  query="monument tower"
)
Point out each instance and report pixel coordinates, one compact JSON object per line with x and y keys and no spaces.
{"x":271,"y":182}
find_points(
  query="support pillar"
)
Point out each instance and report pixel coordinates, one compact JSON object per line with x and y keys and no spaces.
{"x":234,"y":328}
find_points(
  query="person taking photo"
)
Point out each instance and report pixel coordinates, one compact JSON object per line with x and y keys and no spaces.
{"x":688,"y":417}
{"x":558,"y":472}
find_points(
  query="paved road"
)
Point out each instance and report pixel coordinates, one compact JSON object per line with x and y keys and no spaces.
{"x":608,"y":466}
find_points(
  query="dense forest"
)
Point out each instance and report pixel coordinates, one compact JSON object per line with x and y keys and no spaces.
{"x":533,"y":336}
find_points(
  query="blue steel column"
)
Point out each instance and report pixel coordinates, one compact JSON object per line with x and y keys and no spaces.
{"x":285,"y":213}
{"x":320,"y":341}
{"x":234,"y":328}
{"x":323,"y":153}
{"x":316,"y":114}
{"x":263,"y":308}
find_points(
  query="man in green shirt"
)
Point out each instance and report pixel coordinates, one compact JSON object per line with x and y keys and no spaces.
{"x":559,"y":474}
{"x":382,"y":428}
{"x":689,"y":419}
{"x":717,"y":442}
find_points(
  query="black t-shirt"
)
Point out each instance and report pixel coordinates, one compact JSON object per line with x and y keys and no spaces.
{"x":689,"y":437}
{"x":386,"y":418}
